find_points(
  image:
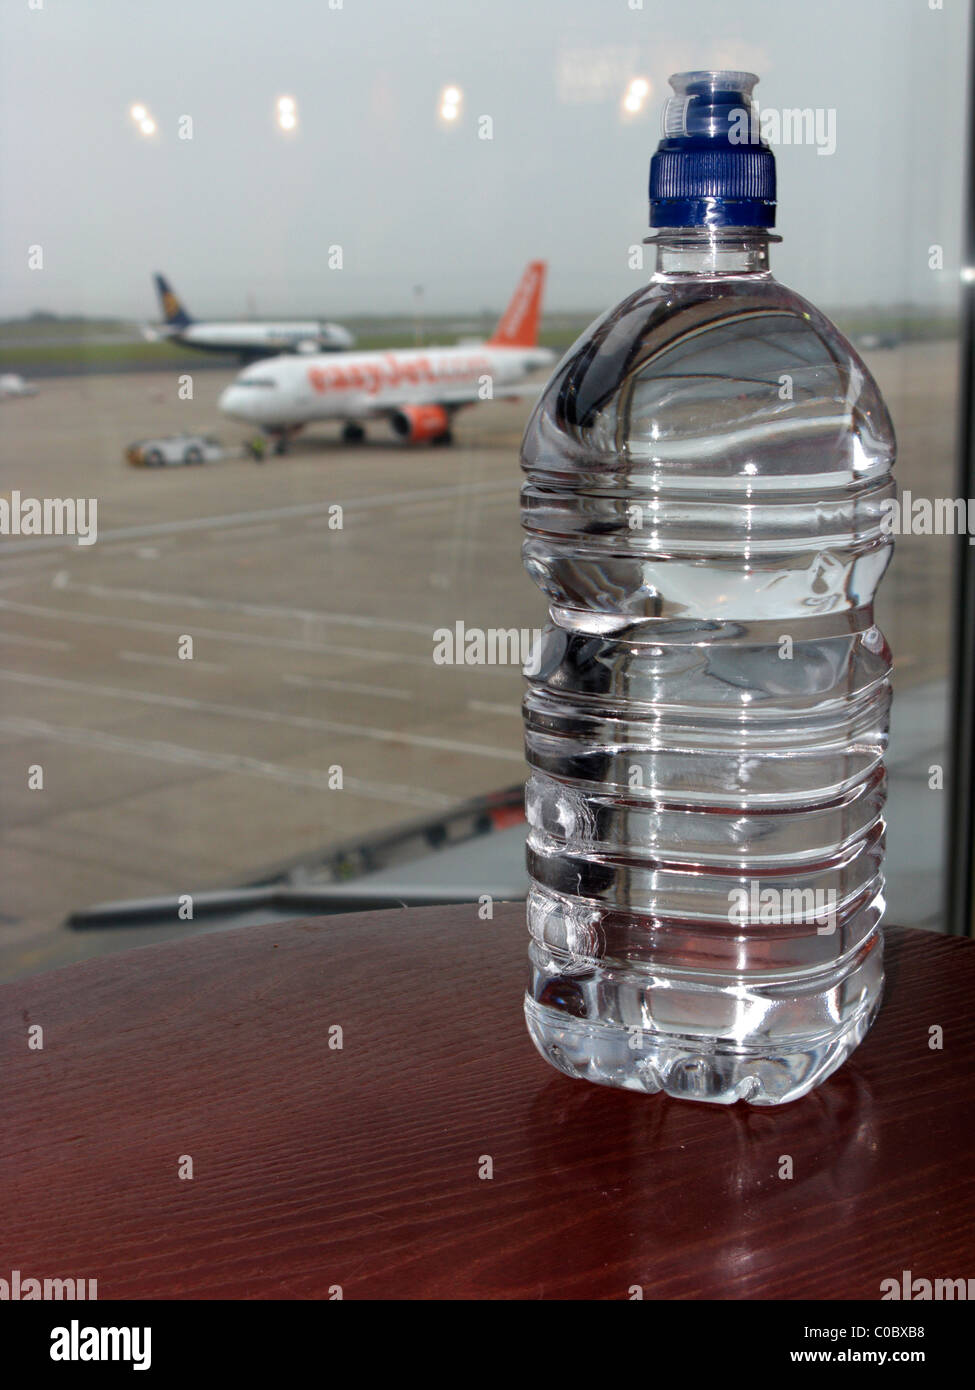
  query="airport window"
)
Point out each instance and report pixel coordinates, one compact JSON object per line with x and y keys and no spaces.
{"x":285,"y":650}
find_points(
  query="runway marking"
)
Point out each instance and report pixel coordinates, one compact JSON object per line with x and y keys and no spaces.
{"x":389,"y":692}
{"x":486,"y":707}
{"x":149,"y":659}
{"x":221,"y":762}
{"x":31,"y":546}
{"x":62,"y":580}
{"x":49,"y":643}
{"x":290,"y":644}
{"x":247,"y":532}
{"x":263,"y":716}
{"x":426,"y":508}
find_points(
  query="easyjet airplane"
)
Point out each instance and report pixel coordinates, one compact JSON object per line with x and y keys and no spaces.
{"x":417,"y":390}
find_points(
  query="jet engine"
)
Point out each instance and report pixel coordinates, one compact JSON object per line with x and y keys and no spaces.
{"x":421,"y":424}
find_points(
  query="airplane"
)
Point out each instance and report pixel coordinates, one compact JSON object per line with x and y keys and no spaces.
{"x":417,"y":390}
{"x":251,"y":339}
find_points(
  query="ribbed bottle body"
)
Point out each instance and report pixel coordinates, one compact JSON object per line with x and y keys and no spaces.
{"x":706,"y":485}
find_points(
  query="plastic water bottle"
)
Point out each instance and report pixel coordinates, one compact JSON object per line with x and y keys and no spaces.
{"x":705,"y":484}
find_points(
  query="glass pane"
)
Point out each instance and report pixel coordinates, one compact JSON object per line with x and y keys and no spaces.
{"x":278,"y":668}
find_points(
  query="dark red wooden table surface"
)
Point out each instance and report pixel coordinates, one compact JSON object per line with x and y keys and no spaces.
{"x":361,"y":1167}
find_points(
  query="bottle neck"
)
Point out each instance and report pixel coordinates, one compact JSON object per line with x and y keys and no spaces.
{"x":712,"y":251}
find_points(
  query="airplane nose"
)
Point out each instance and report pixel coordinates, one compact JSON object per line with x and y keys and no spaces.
{"x":231,"y":401}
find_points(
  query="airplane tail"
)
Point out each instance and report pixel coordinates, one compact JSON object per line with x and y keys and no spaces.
{"x":518,"y":326}
{"x":173,"y":310}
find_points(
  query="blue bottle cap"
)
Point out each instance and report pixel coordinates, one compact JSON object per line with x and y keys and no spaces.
{"x":712,"y":168}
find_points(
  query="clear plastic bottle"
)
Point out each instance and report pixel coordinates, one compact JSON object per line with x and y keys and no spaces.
{"x":707,"y":477}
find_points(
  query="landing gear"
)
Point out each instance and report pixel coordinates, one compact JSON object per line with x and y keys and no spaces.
{"x":282,"y":436}
{"x":446,"y":438}
{"x":352,"y":433}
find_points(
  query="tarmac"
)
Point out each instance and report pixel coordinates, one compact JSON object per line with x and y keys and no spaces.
{"x":312,"y":641}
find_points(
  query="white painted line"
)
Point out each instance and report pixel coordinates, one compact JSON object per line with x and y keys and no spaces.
{"x":388,"y":692}
{"x":222,"y":762}
{"x":62,"y":580}
{"x":486,"y":707}
{"x":49,"y":643}
{"x":426,"y":508}
{"x":148,"y":659}
{"x":290,"y":644}
{"x":264,"y":716}
{"x":247,"y":532}
{"x":31,"y":545}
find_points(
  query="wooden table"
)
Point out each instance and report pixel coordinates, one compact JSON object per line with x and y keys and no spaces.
{"x":315,"y":1167}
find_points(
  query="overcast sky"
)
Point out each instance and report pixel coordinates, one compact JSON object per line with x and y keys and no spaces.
{"x":242,"y":215}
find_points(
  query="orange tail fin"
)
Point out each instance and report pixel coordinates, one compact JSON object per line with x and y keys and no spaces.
{"x":519,"y":322}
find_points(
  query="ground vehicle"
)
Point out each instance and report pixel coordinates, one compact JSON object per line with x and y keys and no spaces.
{"x":12,"y":384}
{"x":175,"y":449}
